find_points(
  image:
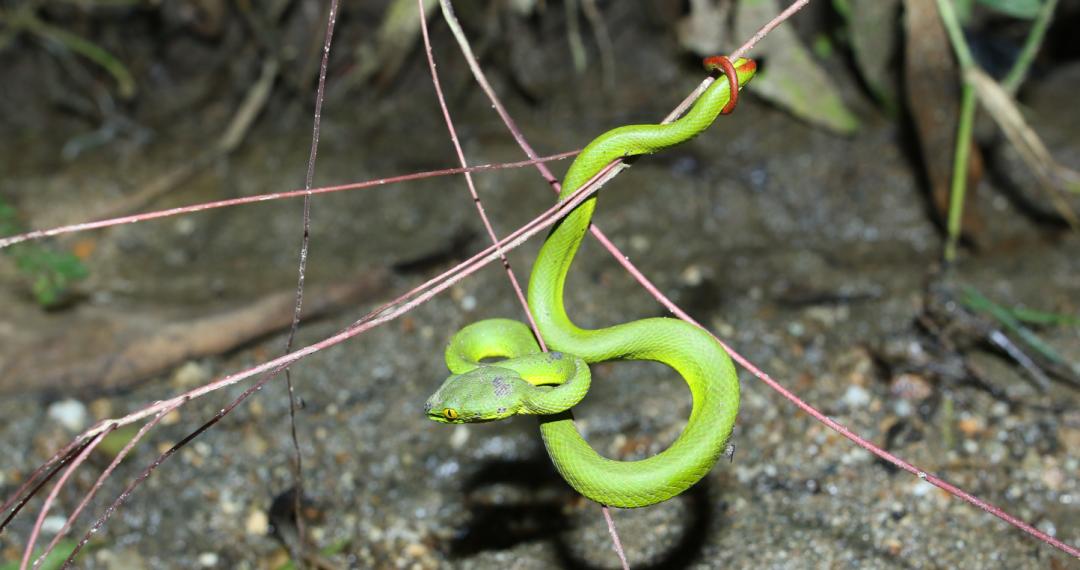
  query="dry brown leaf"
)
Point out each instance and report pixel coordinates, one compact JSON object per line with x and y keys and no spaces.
{"x":933,"y":98}
{"x":1053,"y":175}
{"x":112,"y":351}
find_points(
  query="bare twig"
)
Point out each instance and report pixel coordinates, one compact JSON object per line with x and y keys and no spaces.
{"x":478,"y":75}
{"x":145,"y":429}
{"x":42,"y":475}
{"x":301,"y":272}
{"x":202,"y":206}
{"x":616,"y":542}
{"x":494,"y":238}
{"x":780,"y":18}
{"x":254,"y":102}
{"x":79,"y":459}
{"x":468,"y":177}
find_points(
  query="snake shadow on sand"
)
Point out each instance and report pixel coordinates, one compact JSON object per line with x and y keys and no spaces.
{"x":531,"y":508}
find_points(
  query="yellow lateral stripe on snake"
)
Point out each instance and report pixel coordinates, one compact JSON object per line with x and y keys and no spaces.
{"x":530,"y":382}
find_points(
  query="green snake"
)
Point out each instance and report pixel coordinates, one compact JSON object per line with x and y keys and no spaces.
{"x":548,"y":384}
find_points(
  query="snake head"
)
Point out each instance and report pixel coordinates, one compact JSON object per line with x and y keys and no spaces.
{"x":485,"y":394}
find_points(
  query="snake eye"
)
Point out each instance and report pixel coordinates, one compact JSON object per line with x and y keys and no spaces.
{"x":450,"y":413}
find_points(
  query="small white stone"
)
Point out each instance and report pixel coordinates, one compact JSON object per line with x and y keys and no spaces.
{"x":185,"y":226}
{"x":69,"y":413}
{"x":189,"y":375}
{"x":459,"y":437}
{"x":1047,"y":527}
{"x":523,"y":7}
{"x":228,"y":505}
{"x":257,"y":523}
{"x":856,"y":397}
{"x":447,"y":469}
{"x":692,"y":275}
{"x":53,"y":524}
{"x":208,"y":559}
{"x":619,"y":442}
{"x":921,"y":489}
{"x":202,"y":448}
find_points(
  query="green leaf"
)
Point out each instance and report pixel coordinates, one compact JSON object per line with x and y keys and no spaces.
{"x":114,"y":443}
{"x":1025,"y":9}
{"x":792,"y":78}
{"x":875,"y":43}
{"x":823,"y":46}
{"x":843,"y":7}
{"x":1044,"y":318}
{"x":50,"y":273}
{"x":975,"y":301}
{"x":964,"y":9}
{"x":53,"y":561}
{"x":9,"y":222}
{"x":335,"y":548}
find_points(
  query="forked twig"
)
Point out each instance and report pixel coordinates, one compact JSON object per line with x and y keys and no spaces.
{"x":36,"y":530}
{"x":145,"y":429}
{"x":468,"y":176}
{"x":39,"y":477}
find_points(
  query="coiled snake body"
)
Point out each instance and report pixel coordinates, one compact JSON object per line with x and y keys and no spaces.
{"x":548,"y":384}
